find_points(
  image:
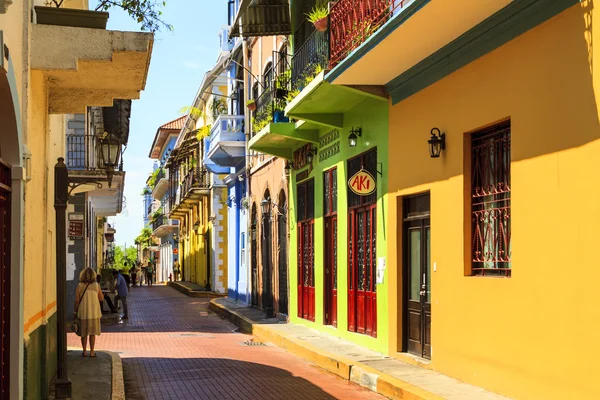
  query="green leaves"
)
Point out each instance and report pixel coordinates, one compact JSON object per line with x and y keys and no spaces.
{"x":145,"y":12}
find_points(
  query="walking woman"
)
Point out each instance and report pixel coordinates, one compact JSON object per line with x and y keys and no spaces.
{"x":87,"y":308}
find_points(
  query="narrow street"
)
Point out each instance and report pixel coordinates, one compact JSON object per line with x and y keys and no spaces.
{"x":173,"y":347}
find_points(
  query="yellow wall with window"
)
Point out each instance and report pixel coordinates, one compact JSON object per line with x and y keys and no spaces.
{"x":533,"y":335}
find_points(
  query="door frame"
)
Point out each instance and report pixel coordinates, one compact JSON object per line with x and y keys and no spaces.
{"x":423,"y":219}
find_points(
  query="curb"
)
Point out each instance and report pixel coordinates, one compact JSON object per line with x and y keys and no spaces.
{"x":118,"y":383}
{"x":343,"y":367}
{"x":194,"y":293}
{"x":239,"y":320}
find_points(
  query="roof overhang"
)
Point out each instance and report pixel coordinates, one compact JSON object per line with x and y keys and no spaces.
{"x":281,"y":139}
{"x":262,"y":18}
{"x":89,"y":67}
{"x":323,"y":103}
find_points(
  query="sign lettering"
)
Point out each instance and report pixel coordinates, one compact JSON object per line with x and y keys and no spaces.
{"x":362,"y":183}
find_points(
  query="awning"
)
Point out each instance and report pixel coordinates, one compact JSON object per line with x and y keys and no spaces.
{"x":262,"y":18}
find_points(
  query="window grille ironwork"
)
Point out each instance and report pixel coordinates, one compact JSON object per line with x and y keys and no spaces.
{"x":490,"y":201}
{"x":330,"y":184}
{"x":306,"y":251}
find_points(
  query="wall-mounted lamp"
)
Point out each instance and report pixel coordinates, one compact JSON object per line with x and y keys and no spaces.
{"x":310,"y":155}
{"x":288,"y":168}
{"x":355,"y":133}
{"x":437,"y":143}
{"x":197,"y":227}
{"x":265,"y":207}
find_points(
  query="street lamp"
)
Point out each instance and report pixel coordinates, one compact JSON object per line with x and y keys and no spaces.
{"x":109,"y":154}
{"x":265,"y":207}
{"x":108,"y":157}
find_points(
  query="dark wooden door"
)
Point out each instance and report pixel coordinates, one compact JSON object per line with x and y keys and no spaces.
{"x":254,"y":260}
{"x":417,"y":275}
{"x":306,"y":280}
{"x":283,"y":264}
{"x":267,"y":267}
{"x":5,"y":250}
{"x":331,"y":271}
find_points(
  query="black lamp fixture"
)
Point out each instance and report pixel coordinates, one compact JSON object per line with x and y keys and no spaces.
{"x":109,"y":154}
{"x":310,"y":155}
{"x":197,"y":227}
{"x":288,"y":169}
{"x":437,"y":143}
{"x":265,"y":207}
{"x":355,"y":133}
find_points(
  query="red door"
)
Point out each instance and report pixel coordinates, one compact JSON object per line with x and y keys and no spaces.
{"x":306,"y":285}
{"x":331,"y":271}
{"x":362,"y":254}
{"x":306,"y":251}
{"x":5,"y":190}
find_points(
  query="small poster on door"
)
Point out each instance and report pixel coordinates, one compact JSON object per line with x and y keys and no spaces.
{"x":380,"y":270}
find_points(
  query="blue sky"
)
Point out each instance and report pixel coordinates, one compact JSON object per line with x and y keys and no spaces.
{"x":179,"y":61}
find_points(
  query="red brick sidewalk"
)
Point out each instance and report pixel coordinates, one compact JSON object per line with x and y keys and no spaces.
{"x":174,"y":348}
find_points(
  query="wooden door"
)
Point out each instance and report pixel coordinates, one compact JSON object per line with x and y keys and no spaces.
{"x":267,"y":267}
{"x":417,"y":276}
{"x":254,"y":259}
{"x":283,"y":264}
{"x":330,"y":243}
{"x":5,"y":250}
{"x":306,"y":251}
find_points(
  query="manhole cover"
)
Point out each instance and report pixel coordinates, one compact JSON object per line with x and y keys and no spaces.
{"x":186,"y":335}
{"x":252,"y":343}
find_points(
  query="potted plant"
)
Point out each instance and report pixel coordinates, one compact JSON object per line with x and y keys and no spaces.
{"x":281,"y":84}
{"x":279,"y":115}
{"x":251,"y":104}
{"x":318,"y":16}
{"x":53,"y":14}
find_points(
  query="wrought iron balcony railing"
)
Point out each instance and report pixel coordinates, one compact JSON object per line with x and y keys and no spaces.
{"x":82,"y":153}
{"x":309,"y":59}
{"x":275,"y":96}
{"x":197,"y":178}
{"x":354,"y":21}
{"x":158,"y":221}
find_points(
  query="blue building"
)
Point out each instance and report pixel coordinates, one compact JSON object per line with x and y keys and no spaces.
{"x":225,"y":154}
{"x":163,"y":228}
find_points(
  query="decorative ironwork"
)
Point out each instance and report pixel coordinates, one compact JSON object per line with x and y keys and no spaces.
{"x":329,"y":152}
{"x":329,"y":138}
{"x":330,"y":184}
{"x":300,"y":156}
{"x":354,"y":21}
{"x":309,"y":59}
{"x":490,"y":204}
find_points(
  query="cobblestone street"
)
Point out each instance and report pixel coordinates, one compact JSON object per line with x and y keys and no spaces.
{"x":173,"y":347}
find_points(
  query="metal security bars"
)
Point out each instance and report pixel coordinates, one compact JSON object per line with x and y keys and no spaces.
{"x":354,"y":21}
{"x":490,"y":201}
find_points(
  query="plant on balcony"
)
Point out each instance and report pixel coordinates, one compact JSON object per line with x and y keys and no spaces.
{"x":279,"y":113}
{"x":245,"y":203}
{"x":251,"y":104}
{"x":217,"y":107}
{"x":192,"y":162}
{"x":282,"y":84}
{"x":318,"y":15}
{"x":152,"y":180}
{"x":146,"y":191}
{"x":204,"y":132}
{"x":145,"y":12}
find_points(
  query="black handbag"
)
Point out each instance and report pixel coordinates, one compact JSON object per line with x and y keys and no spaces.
{"x":76,"y":324}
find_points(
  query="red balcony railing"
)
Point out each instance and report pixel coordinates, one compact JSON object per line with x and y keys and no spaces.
{"x":354,"y":21}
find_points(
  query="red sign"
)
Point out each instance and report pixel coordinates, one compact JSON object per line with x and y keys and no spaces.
{"x":362,"y":183}
{"x":175,"y":250}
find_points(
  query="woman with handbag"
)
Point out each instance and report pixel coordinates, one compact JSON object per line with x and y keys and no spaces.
{"x":87,"y":310}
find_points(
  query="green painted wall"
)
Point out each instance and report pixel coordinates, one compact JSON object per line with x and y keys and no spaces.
{"x":40,"y":360}
{"x":372,"y":116}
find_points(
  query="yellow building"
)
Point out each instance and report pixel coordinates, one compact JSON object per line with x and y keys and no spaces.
{"x":46,"y":71}
{"x":198,"y":198}
{"x":511,"y":87}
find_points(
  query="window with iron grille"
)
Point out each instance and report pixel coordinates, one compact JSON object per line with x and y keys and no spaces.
{"x":306,"y":252}
{"x":490,"y":201}
{"x":362,"y":253}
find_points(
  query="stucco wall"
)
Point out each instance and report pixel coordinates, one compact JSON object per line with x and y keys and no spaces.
{"x":513,"y":335}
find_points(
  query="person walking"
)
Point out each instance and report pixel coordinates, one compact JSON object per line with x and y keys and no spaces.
{"x":106,"y":298}
{"x":149,"y":272}
{"x":121,"y":288}
{"x":88,"y":296}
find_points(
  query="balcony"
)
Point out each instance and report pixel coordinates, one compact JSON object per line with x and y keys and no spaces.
{"x":89,"y":67}
{"x":227,"y":141}
{"x":194,"y":186}
{"x":163,"y":226}
{"x":310,"y":59}
{"x":161,"y":184}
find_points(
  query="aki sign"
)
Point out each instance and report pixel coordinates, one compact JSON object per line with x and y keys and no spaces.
{"x":362,"y":183}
